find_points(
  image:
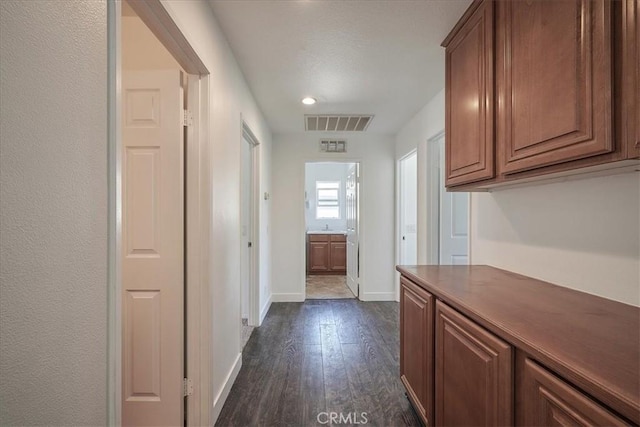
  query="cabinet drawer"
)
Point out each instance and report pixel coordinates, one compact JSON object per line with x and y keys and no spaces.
{"x":338,"y":238}
{"x":318,"y":237}
{"x":548,"y":400}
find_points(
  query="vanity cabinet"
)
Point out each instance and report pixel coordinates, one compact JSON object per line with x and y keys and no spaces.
{"x":541,"y":89}
{"x":481,"y":346}
{"x":326,"y":254}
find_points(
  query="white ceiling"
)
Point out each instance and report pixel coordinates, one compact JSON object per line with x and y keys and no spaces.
{"x":380,"y":57}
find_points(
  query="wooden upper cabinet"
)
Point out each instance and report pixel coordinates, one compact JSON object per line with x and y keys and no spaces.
{"x":469,"y":93}
{"x":554,"y":82}
{"x":630,"y":82}
{"x":549,"y":401}
{"x":416,"y":347}
{"x":474,"y":373}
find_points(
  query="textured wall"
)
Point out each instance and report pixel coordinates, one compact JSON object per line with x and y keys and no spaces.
{"x":53,"y":212}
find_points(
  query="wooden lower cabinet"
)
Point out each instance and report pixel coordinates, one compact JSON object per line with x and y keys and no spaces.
{"x":416,"y":354}
{"x":338,"y":256}
{"x":546,"y":400}
{"x":474,"y":373}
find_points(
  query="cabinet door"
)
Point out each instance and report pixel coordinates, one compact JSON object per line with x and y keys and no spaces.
{"x":630,"y":91}
{"x":549,"y":401}
{"x":338,"y":256}
{"x":469,"y":92}
{"x":319,"y":256}
{"x":474,"y":371}
{"x":416,"y":347}
{"x":554,"y":82}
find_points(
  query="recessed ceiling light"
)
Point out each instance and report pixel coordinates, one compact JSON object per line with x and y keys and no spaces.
{"x":308,"y":100}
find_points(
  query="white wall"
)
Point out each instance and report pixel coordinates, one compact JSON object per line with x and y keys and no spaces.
{"x":582,"y":234}
{"x":230,"y":100}
{"x":376,"y":154}
{"x":427,"y":123}
{"x":325,"y":172}
{"x":53,"y":213}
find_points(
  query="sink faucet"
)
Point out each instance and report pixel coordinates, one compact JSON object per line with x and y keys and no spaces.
{"x":326,"y":227}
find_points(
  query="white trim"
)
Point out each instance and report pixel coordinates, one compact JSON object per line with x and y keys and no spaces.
{"x":114,"y":319}
{"x":287,"y":297}
{"x":433,"y":199}
{"x":199,"y":213}
{"x":399,"y":216}
{"x":378,"y":296}
{"x":224,"y":393}
{"x":265,"y":309}
{"x":248,"y":136}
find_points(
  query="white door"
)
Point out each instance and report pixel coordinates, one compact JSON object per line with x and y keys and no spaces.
{"x":454,"y":220}
{"x":247,"y":238}
{"x":409,"y":210}
{"x":353,"y":256}
{"x":152,"y":244}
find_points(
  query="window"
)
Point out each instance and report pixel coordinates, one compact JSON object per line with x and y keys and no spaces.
{"x":327,"y":199}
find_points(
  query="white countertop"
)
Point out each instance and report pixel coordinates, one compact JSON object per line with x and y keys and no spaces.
{"x":326,"y":232}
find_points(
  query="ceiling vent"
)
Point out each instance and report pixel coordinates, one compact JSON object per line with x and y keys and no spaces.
{"x":333,"y":145}
{"x":337,"y":122}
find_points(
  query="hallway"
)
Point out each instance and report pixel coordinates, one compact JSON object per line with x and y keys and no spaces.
{"x":321,"y":356}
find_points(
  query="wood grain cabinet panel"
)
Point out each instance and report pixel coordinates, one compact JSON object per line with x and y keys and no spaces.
{"x":549,"y":401}
{"x":338,"y":256}
{"x":554,"y":82}
{"x":318,"y":256}
{"x":469,"y":93}
{"x":474,"y":373}
{"x":416,"y":350}
{"x":326,"y":254}
{"x":630,"y":81}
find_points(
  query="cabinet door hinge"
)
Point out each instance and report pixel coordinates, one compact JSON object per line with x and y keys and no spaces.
{"x":187,"y":387}
{"x":187,"y":118}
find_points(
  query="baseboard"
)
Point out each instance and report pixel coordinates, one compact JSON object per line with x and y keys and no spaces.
{"x":297,"y":297}
{"x":218,"y":403}
{"x":378,"y":296}
{"x":265,"y":310}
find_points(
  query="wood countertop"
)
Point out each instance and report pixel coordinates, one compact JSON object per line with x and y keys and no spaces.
{"x":591,"y":341}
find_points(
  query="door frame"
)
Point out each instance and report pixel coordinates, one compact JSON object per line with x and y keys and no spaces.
{"x":434,"y":182}
{"x":399,"y":214}
{"x":254,"y":224}
{"x":361,"y":238}
{"x":197,"y":215}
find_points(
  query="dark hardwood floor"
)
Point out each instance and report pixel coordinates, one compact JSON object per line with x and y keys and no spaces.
{"x":318,"y":357}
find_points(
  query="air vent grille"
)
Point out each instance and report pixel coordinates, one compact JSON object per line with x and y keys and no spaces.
{"x":333,"y":145}
{"x":337,"y":122}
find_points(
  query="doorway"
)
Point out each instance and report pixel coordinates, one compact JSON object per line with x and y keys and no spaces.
{"x":250,"y":218}
{"x":408,"y":212}
{"x":332,"y":232}
{"x":447,"y":212}
{"x":158,"y":215}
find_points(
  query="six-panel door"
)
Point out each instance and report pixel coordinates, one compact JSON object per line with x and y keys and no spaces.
{"x":416,"y":351}
{"x":474,"y":373}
